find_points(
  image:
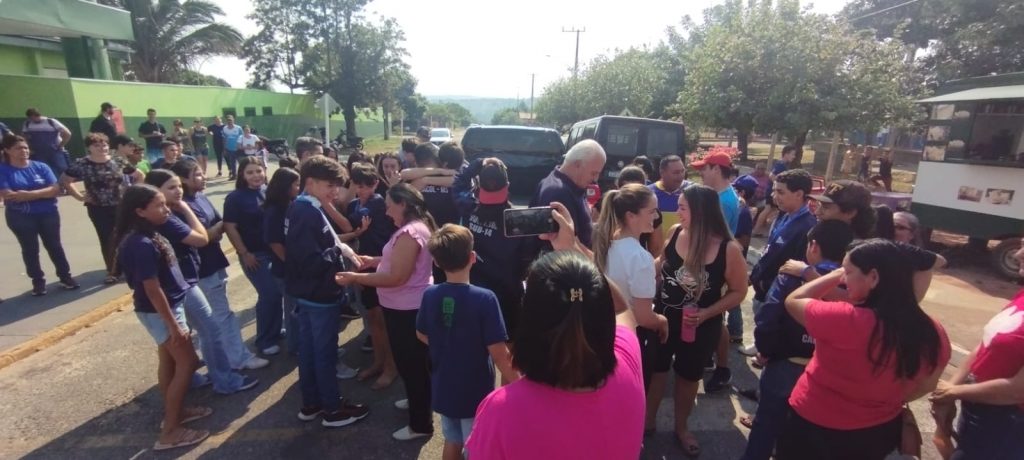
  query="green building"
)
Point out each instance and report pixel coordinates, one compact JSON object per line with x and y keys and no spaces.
{"x":66,"y":57}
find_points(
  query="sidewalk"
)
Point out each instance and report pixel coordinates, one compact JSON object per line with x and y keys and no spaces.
{"x":23,"y":317}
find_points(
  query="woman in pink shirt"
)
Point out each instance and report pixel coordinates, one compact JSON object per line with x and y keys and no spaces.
{"x":403,"y":274}
{"x":583,"y":392}
{"x":873,"y":353}
{"x":990,"y":388}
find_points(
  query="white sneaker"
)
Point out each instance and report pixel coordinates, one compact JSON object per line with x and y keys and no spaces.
{"x":402,"y":404}
{"x":407,"y":434}
{"x":749,"y":350}
{"x":345,"y":372}
{"x":272,"y":350}
{"x":255,"y":363}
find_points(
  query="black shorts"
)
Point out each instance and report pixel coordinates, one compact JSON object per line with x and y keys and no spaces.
{"x":690,"y":358}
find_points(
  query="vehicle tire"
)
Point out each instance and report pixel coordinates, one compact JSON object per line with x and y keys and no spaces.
{"x":1003,"y":258}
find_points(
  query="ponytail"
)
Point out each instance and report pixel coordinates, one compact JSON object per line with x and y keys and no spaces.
{"x":604,"y":233}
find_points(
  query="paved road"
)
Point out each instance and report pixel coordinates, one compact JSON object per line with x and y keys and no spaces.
{"x":93,"y":395}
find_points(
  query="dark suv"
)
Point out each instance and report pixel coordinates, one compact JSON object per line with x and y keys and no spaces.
{"x":529,"y":153}
{"x":623,"y":138}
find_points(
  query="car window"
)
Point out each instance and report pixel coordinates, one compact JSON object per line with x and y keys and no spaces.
{"x":622,"y":140}
{"x":662,"y":140}
{"x":439,"y":133}
{"x":588,"y":131}
{"x":513,"y":141}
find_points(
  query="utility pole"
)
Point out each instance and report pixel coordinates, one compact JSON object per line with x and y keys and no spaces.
{"x":576,"y":63}
{"x":532,"y":76}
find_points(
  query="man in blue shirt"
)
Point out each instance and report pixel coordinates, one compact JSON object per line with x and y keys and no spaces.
{"x":567,"y":184}
{"x":231,"y":133}
{"x":788,"y":236}
{"x":715,"y":170}
{"x":782,"y":164}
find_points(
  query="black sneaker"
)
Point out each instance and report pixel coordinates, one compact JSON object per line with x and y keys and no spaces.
{"x":308,"y":414}
{"x":719,"y":380}
{"x":367,"y":344}
{"x":248,"y":383}
{"x":347,"y":312}
{"x":69,"y":283}
{"x":38,"y":290}
{"x":347,"y":415}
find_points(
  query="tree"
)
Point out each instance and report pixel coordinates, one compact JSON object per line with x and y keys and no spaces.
{"x":414,"y":107}
{"x":191,"y":77}
{"x":508,"y":116}
{"x":274,"y":53}
{"x":172,"y":37}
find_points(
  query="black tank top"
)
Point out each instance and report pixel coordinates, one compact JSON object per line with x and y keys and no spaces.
{"x":679,"y":287}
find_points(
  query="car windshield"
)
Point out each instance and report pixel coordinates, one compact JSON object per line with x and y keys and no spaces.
{"x":440,"y":133}
{"x":514,"y":141}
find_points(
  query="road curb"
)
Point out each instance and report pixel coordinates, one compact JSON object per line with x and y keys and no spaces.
{"x":53,"y":336}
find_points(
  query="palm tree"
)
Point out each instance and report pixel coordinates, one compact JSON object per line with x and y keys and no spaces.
{"x":172,"y":36}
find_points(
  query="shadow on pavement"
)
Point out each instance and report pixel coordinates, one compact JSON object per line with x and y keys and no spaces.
{"x":15,"y":309}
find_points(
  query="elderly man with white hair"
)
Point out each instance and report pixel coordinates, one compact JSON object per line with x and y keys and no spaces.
{"x":567,"y":184}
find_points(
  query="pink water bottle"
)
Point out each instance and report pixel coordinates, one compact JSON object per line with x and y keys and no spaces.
{"x":688,"y":334}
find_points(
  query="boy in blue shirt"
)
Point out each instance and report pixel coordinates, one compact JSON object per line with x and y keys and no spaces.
{"x":315,"y":256}
{"x":782,"y":341}
{"x":463,"y":326}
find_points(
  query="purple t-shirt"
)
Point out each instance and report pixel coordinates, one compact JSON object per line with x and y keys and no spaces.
{"x":140,"y":259}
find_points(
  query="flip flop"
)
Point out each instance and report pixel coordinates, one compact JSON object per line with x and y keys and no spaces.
{"x":747,"y":421}
{"x":689,"y":444}
{"x":187,"y":437}
{"x":196,"y":413}
{"x":111,"y":279}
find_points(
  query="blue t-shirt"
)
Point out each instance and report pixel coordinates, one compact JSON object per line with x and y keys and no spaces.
{"x":373,"y":240}
{"x":231,"y":136}
{"x":273,"y":232}
{"x":460,"y":321}
{"x":176,"y":230}
{"x":441,"y":204}
{"x":140,"y":260}
{"x":779,"y":167}
{"x":730,"y":202}
{"x":244,"y":207}
{"x":211,"y":256}
{"x":35,"y":176}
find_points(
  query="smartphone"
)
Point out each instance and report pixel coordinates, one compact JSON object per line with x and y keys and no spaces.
{"x":529,"y":221}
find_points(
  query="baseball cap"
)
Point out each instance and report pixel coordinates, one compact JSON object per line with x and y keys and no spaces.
{"x":846,"y":193}
{"x":713,"y":158}
{"x":493,"y":184}
{"x":746,"y":183}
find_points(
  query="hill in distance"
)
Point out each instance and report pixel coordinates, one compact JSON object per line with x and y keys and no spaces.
{"x":482,"y":108}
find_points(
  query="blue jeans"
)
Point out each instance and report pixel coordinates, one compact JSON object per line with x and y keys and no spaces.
{"x":777,"y":381}
{"x":231,"y":157}
{"x":734,"y":322}
{"x":215,"y":288}
{"x":29,"y":229}
{"x":268,"y":302}
{"x":989,"y":432}
{"x":318,"y":353}
{"x":291,"y":321}
{"x":211,"y":343}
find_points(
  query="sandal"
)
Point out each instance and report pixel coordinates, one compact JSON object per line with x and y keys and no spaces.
{"x":111,"y":279}
{"x":747,"y":421}
{"x":186,"y":437}
{"x":191,"y":414}
{"x":689,"y":444}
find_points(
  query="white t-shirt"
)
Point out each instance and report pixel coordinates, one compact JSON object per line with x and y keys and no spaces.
{"x":631,"y":268}
{"x":248,"y":144}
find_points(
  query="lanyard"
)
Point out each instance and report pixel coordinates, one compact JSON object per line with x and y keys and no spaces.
{"x":345,"y":249}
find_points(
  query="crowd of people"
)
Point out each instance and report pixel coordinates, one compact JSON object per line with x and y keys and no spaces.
{"x":583,"y":325}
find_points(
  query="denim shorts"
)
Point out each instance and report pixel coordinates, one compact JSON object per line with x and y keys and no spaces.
{"x":456,"y":430}
{"x":155,"y":324}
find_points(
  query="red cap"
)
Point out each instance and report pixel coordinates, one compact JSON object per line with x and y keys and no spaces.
{"x":713,"y":158}
{"x":499,"y":196}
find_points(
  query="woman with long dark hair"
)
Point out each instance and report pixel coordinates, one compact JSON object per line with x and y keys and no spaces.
{"x":243,"y":223}
{"x":186,"y":233}
{"x":29,"y":190}
{"x":403,"y":274}
{"x":389,"y":168}
{"x":158,"y":291}
{"x":581,"y":395}
{"x":874,"y":353}
{"x":213,"y":264}
{"x":283,"y":189}
{"x":704,"y":275}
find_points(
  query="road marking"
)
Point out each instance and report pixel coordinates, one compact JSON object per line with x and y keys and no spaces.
{"x":138,"y":454}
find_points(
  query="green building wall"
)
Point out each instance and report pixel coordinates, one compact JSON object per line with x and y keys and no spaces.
{"x":76,"y":102}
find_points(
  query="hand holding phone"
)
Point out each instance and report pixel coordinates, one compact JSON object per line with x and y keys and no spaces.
{"x":529,"y":222}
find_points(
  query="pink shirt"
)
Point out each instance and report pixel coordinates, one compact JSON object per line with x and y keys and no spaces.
{"x":840,"y":389}
{"x":1001,"y":353}
{"x":530,"y":420}
{"x":409,"y":295}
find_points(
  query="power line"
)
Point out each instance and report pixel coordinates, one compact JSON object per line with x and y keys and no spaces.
{"x":883,"y":10}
